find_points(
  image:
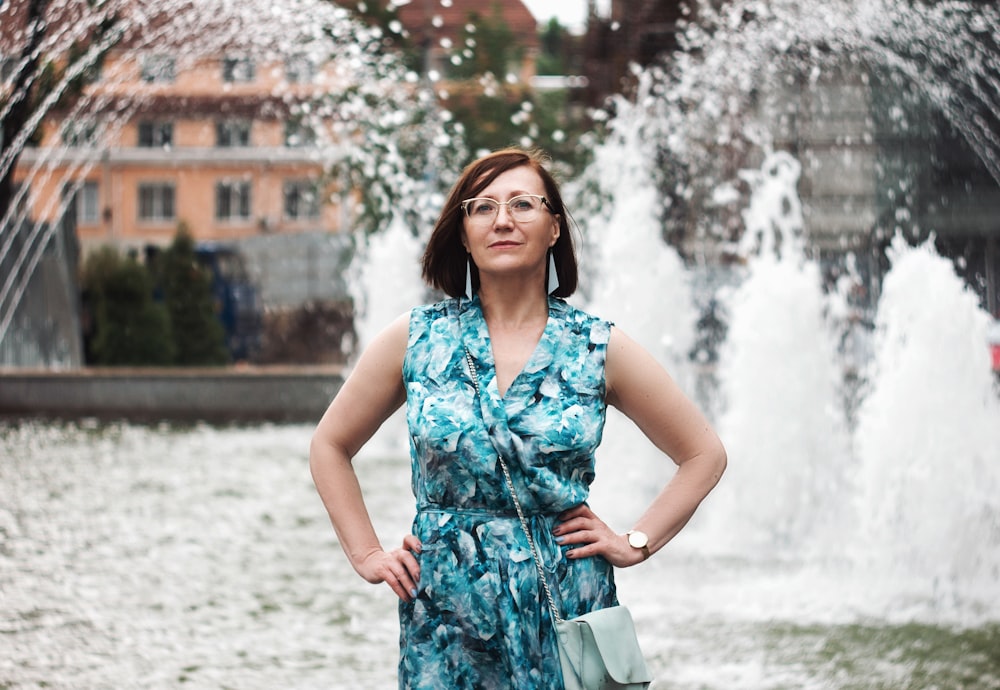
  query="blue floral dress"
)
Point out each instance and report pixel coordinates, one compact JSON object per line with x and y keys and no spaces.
{"x":480,"y":619}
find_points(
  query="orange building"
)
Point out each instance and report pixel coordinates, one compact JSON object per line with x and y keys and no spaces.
{"x":209,"y":145}
{"x":212,"y":142}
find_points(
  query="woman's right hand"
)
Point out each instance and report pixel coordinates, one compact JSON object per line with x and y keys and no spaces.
{"x":397,"y":568}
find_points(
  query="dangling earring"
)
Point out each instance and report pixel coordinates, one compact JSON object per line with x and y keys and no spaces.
{"x":553,"y":284}
{"x":468,"y":279}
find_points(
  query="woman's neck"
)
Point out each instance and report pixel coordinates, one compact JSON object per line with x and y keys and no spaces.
{"x":514,"y":306}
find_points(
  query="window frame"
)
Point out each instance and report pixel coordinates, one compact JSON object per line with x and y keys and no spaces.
{"x":233,"y":194}
{"x":238,"y":69}
{"x":87,"y":198}
{"x":228,"y":128}
{"x":299,"y":135}
{"x":158,"y":68}
{"x":299,"y":69}
{"x":160,"y":134}
{"x":299,"y":193}
{"x":162,"y":202}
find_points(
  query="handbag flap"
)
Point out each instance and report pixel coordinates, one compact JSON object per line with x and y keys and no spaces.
{"x":614,"y":633}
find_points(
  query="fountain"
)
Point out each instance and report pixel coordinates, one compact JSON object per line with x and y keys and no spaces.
{"x":780,"y":381}
{"x":386,"y":284}
{"x":885,"y":509}
{"x":855,"y":540}
{"x":928,"y":488}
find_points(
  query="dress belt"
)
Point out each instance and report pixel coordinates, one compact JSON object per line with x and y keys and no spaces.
{"x":487,"y":513}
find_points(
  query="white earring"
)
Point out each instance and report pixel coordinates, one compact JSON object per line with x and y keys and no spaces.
{"x":553,"y":283}
{"x":468,"y":279}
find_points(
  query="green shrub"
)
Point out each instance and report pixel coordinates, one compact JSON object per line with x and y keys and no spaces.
{"x":127,"y":326}
{"x":199,"y":339}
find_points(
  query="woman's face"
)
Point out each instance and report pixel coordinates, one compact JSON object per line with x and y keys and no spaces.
{"x":515,"y":240}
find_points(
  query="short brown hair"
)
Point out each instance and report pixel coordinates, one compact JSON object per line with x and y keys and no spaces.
{"x":444,"y":262}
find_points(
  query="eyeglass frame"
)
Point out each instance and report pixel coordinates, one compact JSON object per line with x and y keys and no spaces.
{"x":466,"y":203}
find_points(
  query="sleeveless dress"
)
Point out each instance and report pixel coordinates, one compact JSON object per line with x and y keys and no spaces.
{"x":480,"y":619}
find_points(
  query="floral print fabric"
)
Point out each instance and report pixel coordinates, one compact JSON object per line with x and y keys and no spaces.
{"x":480,"y":619}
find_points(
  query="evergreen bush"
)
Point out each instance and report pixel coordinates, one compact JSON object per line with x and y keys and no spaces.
{"x":199,"y":338}
{"x":127,"y":326}
{"x":157,"y":315}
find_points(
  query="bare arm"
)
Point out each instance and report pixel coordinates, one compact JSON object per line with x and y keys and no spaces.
{"x":372,"y":392}
{"x":640,"y":387}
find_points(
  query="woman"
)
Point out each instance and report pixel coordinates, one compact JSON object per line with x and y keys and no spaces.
{"x":471,"y":611}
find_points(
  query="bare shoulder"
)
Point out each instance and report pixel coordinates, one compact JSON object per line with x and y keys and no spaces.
{"x":388,"y":347}
{"x":398,"y":330}
{"x":629,"y":365}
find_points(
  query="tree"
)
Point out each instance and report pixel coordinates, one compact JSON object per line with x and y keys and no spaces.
{"x":48,"y":73}
{"x":494,"y":49}
{"x":385,"y":16}
{"x":16,"y":107}
{"x":128,"y":327}
{"x":160,"y":315}
{"x":497,"y":111}
{"x":198,"y":336}
{"x":554,"y":57}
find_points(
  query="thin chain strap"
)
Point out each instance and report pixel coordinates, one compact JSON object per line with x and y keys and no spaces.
{"x":517,"y":505}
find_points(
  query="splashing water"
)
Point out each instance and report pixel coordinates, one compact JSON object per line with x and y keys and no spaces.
{"x":386,"y":280}
{"x":928,"y":437}
{"x":631,"y":277}
{"x":641,"y":283}
{"x":827,"y":518}
{"x":387,"y":284}
{"x":834,"y":81}
{"x":779,"y":386}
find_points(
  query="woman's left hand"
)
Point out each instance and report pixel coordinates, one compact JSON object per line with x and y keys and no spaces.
{"x":588,"y":535}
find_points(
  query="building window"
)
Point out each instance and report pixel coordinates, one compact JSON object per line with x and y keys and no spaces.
{"x":229,"y":133}
{"x":78,"y":132}
{"x":299,"y":69}
{"x":301,"y":200}
{"x":156,"y":134}
{"x":156,"y":201}
{"x":299,"y":134}
{"x":237,"y":70}
{"x":84,"y":203}
{"x":159,"y":69}
{"x":232,"y":200}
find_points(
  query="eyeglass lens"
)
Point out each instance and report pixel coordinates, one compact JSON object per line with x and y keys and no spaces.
{"x":521,"y":208}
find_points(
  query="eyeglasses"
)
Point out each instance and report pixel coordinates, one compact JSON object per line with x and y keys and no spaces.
{"x":521,"y":208}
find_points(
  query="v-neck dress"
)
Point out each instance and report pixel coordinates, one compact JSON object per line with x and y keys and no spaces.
{"x":480,"y":619}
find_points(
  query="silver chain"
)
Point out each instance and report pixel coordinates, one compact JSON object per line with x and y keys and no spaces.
{"x":517,"y":505}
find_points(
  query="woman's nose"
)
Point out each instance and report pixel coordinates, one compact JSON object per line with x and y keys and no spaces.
{"x":503,"y":218}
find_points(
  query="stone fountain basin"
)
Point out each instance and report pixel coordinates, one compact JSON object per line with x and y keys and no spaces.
{"x":216,"y":394}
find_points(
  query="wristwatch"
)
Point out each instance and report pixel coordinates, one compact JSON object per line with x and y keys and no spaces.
{"x":639,"y":540}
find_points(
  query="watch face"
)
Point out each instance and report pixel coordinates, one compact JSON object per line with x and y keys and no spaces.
{"x":637,"y":539}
